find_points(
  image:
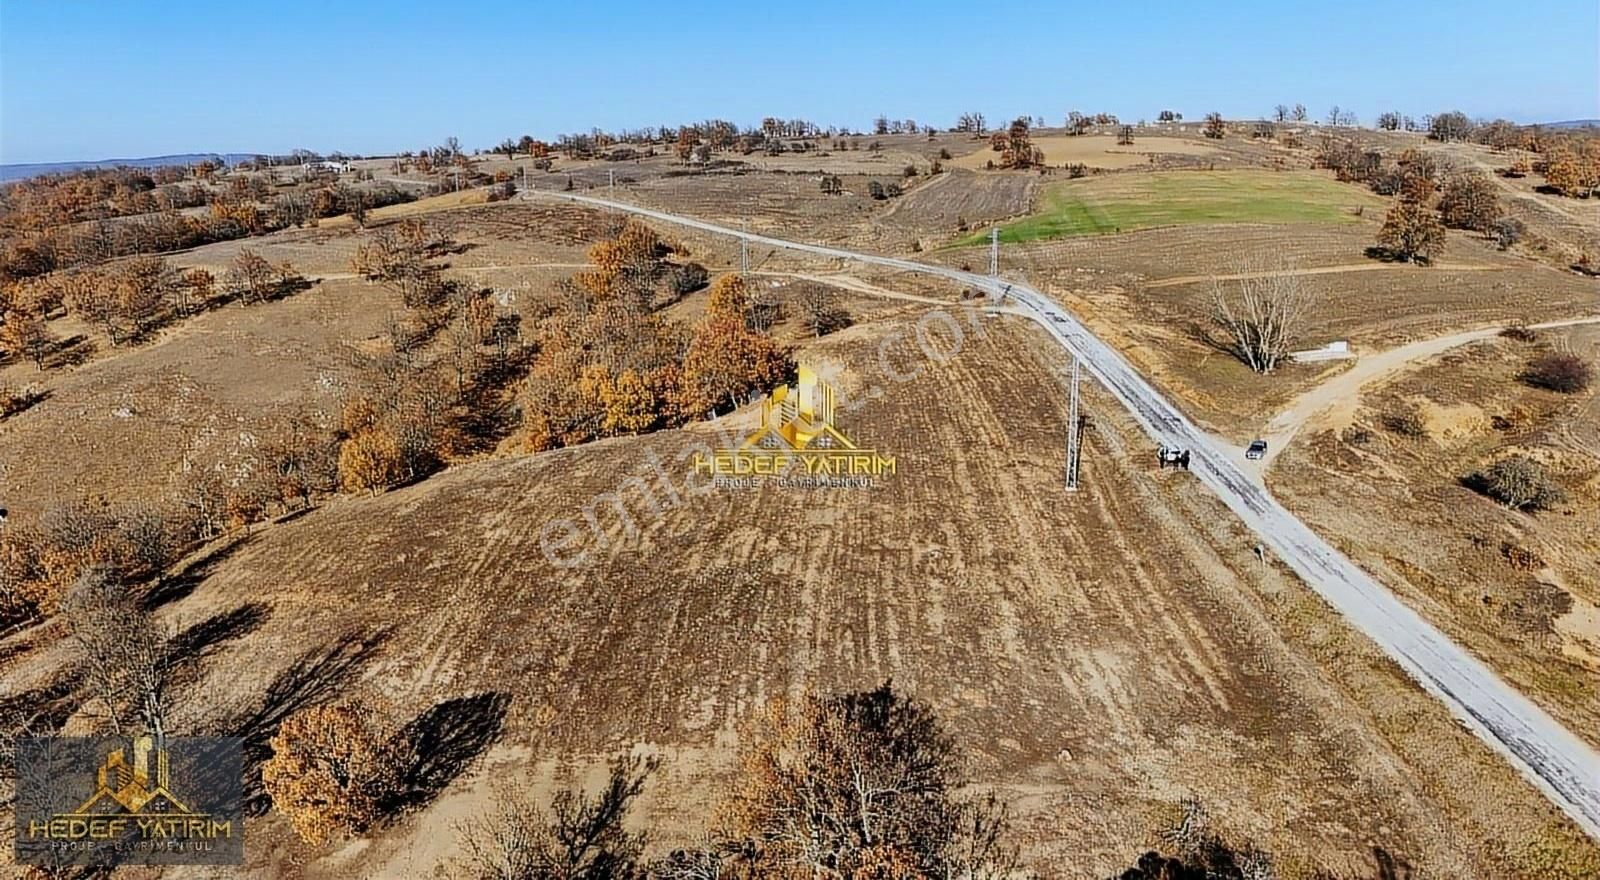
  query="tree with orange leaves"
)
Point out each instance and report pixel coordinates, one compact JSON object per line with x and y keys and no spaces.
{"x":370,"y":460}
{"x":24,"y":335}
{"x":329,"y":771}
{"x":627,"y":265}
{"x":728,"y":364}
{"x":729,"y":297}
{"x":631,"y":406}
{"x":686,"y":143}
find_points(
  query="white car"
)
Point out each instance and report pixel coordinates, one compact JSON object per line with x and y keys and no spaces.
{"x":1256,"y":450}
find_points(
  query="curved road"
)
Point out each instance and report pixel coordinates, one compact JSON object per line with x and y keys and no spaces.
{"x":1564,"y":767}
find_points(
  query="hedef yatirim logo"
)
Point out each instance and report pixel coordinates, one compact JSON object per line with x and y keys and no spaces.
{"x":798,"y":436}
{"x":130,"y":801}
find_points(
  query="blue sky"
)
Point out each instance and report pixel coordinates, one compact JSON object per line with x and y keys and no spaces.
{"x":91,"y":80}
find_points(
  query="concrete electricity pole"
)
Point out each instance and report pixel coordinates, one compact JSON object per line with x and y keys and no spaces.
{"x":744,"y":250}
{"x":994,"y":251}
{"x":1073,"y":450}
{"x":611,"y":181}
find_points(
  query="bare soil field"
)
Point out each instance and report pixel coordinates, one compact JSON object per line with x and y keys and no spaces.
{"x":121,"y":426}
{"x":792,"y":205}
{"x":1098,"y":151}
{"x":942,"y":206}
{"x":1099,"y":659}
{"x":1149,"y":293}
{"x":1520,"y":589}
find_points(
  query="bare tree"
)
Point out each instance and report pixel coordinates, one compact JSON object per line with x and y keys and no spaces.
{"x":581,"y":837}
{"x":1262,"y":315}
{"x":820,"y":313}
{"x":125,"y":652}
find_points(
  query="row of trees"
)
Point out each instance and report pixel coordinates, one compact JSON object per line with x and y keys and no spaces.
{"x":39,"y":203}
{"x":1429,"y":197}
{"x":858,"y":786}
{"x":236,"y":212}
{"x":289,"y":459}
{"x":436,"y":390}
{"x":441,"y":388}
{"x":131,"y":299}
{"x":610,"y":364}
{"x":867,"y":785}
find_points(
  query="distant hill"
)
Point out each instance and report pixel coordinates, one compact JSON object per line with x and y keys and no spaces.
{"x":1574,"y":123}
{"x":18,"y":172}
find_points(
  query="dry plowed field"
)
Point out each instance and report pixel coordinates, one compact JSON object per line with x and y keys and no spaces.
{"x":1097,"y":656}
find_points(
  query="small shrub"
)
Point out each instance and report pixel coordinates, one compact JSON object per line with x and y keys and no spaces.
{"x":688,"y":278}
{"x":1405,"y":421}
{"x":1519,"y":331}
{"x":1507,"y":231}
{"x":1519,"y":483}
{"x":1521,"y":558}
{"x":1357,"y":436}
{"x":14,"y":400}
{"x":1562,"y":372}
{"x":944,"y":153}
{"x":876,"y":190}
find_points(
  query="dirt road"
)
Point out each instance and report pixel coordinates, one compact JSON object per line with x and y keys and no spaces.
{"x":1345,"y":389}
{"x":1565,"y":768}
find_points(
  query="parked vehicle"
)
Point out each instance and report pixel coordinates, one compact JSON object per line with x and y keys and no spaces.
{"x":1256,"y":450}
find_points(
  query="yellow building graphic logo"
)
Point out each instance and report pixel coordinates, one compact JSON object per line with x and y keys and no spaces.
{"x":798,"y":436}
{"x":132,"y":814}
{"x":131,"y":787}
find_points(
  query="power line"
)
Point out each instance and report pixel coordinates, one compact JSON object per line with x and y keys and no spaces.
{"x":1073,"y":428}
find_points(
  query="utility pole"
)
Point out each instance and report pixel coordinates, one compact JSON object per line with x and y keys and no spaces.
{"x":744,"y":250}
{"x":1073,"y":449}
{"x":611,"y":181}
{"x":994,"y":251}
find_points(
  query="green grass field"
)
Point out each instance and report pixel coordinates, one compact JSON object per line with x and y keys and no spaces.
{"x":1124,"y":202}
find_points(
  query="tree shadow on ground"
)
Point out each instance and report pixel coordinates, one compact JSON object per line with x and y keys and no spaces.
{"x":181,"y":584}
{"x":198,"y":640}
{"x":317,"y":676}
{"x":73,"y":351}
{"x":1210,"y":336}
{"x":24,"y":400}
{"x":441,"y":743}
{"x":1389,"y":867}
